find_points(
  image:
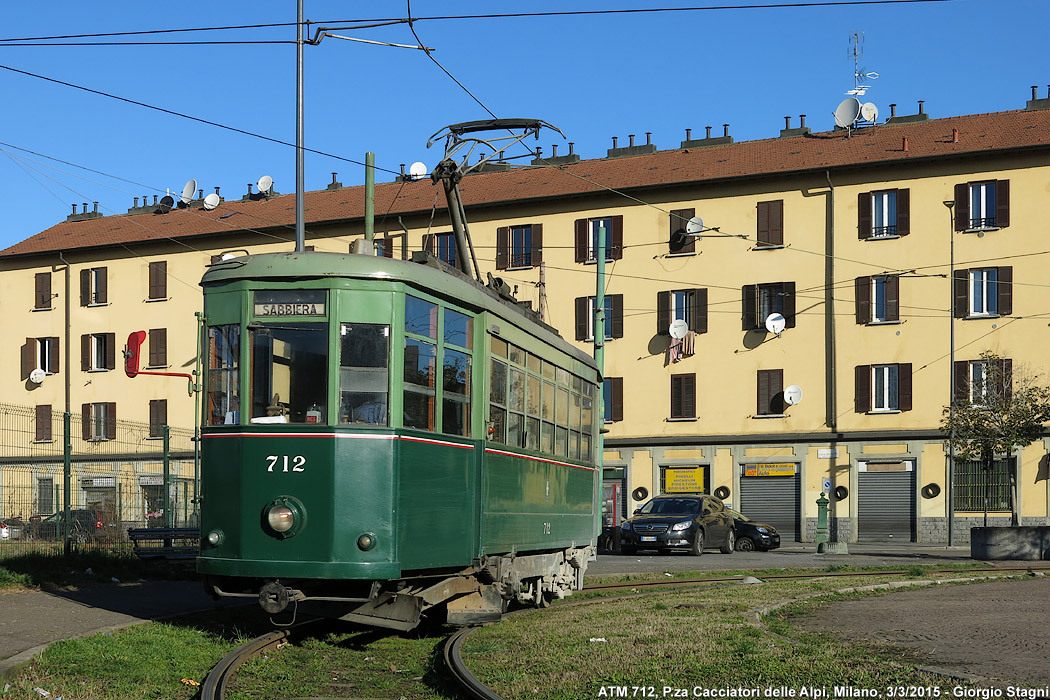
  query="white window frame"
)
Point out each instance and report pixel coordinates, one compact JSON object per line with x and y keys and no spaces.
{"x":98,"y":353}
{"x":884,"y":214}
{"x":878,"y":298}
{"x":98,"y":420}
{"x":885,"y":387}
{"x":592,"y":237}
{"x":978,"y":381}
{"x":43,"y":355}
{"x":982,"y":205}
{"x":681,"y":304}
{"x":520,"y":247}
{"x":94,"y":275}
{"x":591,"y":308}
{"x":983,"y":292}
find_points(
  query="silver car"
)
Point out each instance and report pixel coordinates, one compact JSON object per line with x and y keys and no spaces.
{"x":11,"y":529}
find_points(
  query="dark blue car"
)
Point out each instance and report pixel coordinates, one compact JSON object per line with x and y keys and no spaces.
{"x":752,"y":535}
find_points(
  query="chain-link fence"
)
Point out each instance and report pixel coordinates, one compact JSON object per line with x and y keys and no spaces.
{"x":112,"y":477}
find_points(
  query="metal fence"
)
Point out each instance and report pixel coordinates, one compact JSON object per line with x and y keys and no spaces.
{"x":112,"y":475}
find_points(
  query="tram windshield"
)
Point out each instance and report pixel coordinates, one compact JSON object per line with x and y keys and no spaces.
{"x":289,"y":372}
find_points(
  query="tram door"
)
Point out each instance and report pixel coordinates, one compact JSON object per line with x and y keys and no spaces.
{"x":886,"y":502}
{"x":771,"y":493}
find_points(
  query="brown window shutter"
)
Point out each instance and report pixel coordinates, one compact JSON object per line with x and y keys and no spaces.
{"x":904,"y":386}
{"x":862,"y":389}
{"x":54,"y":361}
{"x":788,"y":304}
{"x":771,"y":223}
{"x":614,"y":325}
{"x":102,"y":286}
{"x":903,"y":212}
{"x":43,"y":422}
{"x":617,"y":239}
{"x":663,"y":312}
{"x":864,"y":215}
{"x":428,"y":243}
{"x":749,"y":306}
{"x":28,"y":357}
{"x":863,"y":299}
{"x":961,"y":292}
{"x":85,"y":287}
{"x":111,"y":421}
{"x":158,"y":347}
{"x":85,"y":422}
{"x":502,"y":247}
{"x":962,"y":382}
{"x":615,"y":411}
{"x":679,"y":219}
{"x":42,"y":290}
{"x":581,"y":240}
{"x":111,"y":350}
{"x":770,"y":391}
{"x":893,"y":294}
{"x":158,"y":280}
{"x":1002,"y":203}
{"x":536,"y":253}
{"x":1005,"y":291}
{"x":158,"y":417}
{"x":85,"y":352}
{"x":962,"y":206}
{"x":683,"y":396}
{"x":583,"y":310}
{"x":699,"y":315}
{"x":388,"y":246}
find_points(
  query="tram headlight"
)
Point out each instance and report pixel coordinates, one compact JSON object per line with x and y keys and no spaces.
{"x":280,"y":518}
{"x":366,"y":541}
{"x":214,"y":538}
{"x":284,"y":517}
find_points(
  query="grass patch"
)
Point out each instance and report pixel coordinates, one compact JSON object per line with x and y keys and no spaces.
{"x":46,"y":570}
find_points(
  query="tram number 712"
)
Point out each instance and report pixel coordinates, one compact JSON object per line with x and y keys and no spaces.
{"x":289,"y":463}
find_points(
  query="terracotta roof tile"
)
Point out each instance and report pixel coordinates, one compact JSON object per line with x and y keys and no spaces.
{"x":979,"y":133}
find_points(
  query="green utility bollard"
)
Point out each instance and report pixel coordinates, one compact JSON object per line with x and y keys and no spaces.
{"x":822,"y":522}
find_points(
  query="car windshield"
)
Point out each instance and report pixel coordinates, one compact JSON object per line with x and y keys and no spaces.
{"x":737,"y":515}
{"x":677,"y":506}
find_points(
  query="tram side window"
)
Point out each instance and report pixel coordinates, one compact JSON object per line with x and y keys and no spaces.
{"x":224,"y":390}
{"x":498,"y":402}
{"x":364,"y":373}
{"x":455,"y":399}
{"x":420,"y":384}
{"x":289,"y":372}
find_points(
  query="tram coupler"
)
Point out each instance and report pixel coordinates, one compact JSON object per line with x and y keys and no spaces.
{"x":274,"y":597}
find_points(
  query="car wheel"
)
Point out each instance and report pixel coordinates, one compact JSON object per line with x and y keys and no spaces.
{"x":627,"y":550}
{"x":730,"y":542}
{"x":698,"y":544}
{"x":80,"y":537}
{"x":745,"y":544}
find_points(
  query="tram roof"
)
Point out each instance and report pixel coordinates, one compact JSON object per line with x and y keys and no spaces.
{"x":434,"y":278}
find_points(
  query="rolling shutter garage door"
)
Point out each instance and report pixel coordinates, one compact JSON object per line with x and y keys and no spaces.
{"x":886,"y":502}
{"x":772,"y":499}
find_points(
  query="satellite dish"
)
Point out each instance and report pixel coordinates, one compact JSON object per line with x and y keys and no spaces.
{"x":847,"y":112}
{"x":211,"y":201}
{"x":265,"y":184}
{"x":695,"y":226}
{"x":793,"y":395}
{"x":678,"y":328}
{"x":869,"y":112}
{"x":775,"y":323}
{"x":37,"y":376}
{"x":188,"y":191}
{"x":417,"y":170}
{"x":166,"y":203}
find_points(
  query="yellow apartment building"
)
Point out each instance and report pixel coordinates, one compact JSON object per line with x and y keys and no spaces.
{"x":797,"y":343}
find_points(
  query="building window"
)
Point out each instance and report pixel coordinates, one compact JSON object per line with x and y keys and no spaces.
{"x":158,"y":417}
{"x":384,"y":247}
{"x":983,"y":292}
{"x":770,"y":392}
{"x":42,"y":291}
{"x":158,"y":347}
{"x":442,"y":246}
{"x":158,"y":280}
{"x":770,"y":224}
{"x":40,"y":353}
{"x":689,"y":305}
{"x":93,"y":286}
{"x":683,"y":396}
{"x":878,"y":299}
{"x":43,"y":423}
{"x":519,"y":246}
{"x":885,"y":387}
{"x":612,"y":399}
{"x":761,"y":300}
{"x":983,"y":381}
{"x":99,"y":421}
{"x":979,"y":488}
{"x":97,"y":351}
{"x":586,"y":242}
{"x":613,"y":317}
{"x":982,"y":205}
{"x":883,"y":214}
{"x":681,"y":244}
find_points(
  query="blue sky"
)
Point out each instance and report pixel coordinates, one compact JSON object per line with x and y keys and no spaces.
{"x":593,"y":76}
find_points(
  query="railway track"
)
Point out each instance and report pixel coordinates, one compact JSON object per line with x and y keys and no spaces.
{"x":214,"y":686}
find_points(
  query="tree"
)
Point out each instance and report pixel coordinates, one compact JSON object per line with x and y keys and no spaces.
{"x":995,"y":411}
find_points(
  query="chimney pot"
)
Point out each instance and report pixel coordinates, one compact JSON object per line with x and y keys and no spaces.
{"x":136,"y":203}
{"x":335,"y":174}
{"x":1033,"y":91}
{"x":614,"y":142}
{"x":708,"y":131}
{"x":688,"y":134}
{"x":216,"y":190}
{"x":554,"y":151}
{"x":802,"y":118}
{"x":904,"y":145}
{"x":85,"y":207}
{"x":648,"y":138}
{"x":200,"y":193}
{"x":571,"y":144}
{"x":725,"y":128}
{"x":539,"y":151}
{"x":155,"y":199}
{"x":96,"y":208}
{"x":920,"y":106}
{"x":249,"y":188}
{"x":630,"y":140}
{"x":402,"y":169}
{"x":893,"y":110}
{"x":74,"y":208}
{"x":501,"y":155}
{"x":955,"y":135}
{"x":787,"y":122}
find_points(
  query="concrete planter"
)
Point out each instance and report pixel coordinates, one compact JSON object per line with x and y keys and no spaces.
{"x":1029,"y":543}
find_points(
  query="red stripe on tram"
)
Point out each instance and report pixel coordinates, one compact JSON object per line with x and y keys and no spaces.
{"x":539,"y":459}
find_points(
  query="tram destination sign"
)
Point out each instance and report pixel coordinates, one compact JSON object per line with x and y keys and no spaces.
{"x":308,"y":302}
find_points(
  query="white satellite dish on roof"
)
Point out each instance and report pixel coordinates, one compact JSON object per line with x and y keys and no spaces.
{"x":188,"y":191}
{"x":678,"y":328}
{"x":37,"y":376}
{"x":775,"y":323}
{"x":847,"y":112}
{"x":211,"y":201}
{"x":793,"y":395}
{"x":417,"y":170}
{"x":265,"y":184}
{"x":869,"y":112}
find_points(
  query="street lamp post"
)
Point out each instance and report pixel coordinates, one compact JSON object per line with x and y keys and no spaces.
{"x":950,"y":490}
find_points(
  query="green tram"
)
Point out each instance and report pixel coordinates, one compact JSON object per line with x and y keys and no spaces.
{"x":387,"y":439}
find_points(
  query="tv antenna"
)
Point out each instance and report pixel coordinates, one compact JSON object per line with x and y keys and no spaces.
{"x":860,"y":75}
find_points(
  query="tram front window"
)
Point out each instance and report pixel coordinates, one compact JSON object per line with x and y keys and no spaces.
{"x":289,"y":371}
{"x":364,"y":382}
